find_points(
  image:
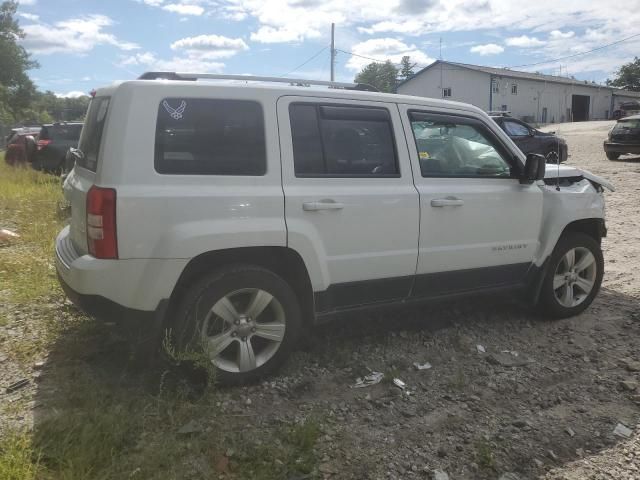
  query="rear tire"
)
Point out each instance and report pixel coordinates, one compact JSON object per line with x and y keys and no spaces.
{"x":245,"y":319}
{"x":574,"y":276}
{"x":612,"y":155}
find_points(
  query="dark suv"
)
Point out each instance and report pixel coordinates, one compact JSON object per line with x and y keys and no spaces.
{"x":531,"y":140}
{"x":624,"y":137}
{"x":53,"y":142}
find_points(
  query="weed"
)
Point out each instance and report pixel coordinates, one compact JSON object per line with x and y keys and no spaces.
{"x":18,"y":461}
{"x":484,"y":455}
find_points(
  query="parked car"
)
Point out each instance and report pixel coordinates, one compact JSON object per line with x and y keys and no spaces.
{"x":234,"y":216}
{"x":531,"y":140}
{"x":53,"y":142}
{"x":623,"y":138}
{"x":21,"y":144}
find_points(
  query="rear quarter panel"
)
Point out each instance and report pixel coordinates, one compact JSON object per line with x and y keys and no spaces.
{"x":182,"y":216}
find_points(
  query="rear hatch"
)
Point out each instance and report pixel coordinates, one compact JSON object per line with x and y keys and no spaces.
{"x":626,"y":131}
{"x":83,"y":176}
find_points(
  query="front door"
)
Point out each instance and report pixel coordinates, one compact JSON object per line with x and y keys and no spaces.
{"x":479,"y":226}
{"x":351,"y":207}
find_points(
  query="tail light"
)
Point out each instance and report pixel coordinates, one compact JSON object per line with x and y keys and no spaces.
{"x":102,"y":240}
{"x":43,"y":143}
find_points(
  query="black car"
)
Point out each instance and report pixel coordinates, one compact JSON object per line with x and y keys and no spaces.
{"x":624,"y":137}
{"x":532,"y":140}
{"x":53,"y":142}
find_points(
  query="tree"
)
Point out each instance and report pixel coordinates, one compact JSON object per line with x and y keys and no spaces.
{"x":406,"y":68}
{"x":16,"y":89}
{"x":628,"y":77}
{"x":380,"y":75}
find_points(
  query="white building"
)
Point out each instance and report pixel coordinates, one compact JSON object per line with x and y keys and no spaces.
{"x":532,"y":97}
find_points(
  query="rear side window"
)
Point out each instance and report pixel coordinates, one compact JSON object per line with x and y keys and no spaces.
{"x":91,"y":137}
{"x":210,"y":137}
{"x":336,"y":140}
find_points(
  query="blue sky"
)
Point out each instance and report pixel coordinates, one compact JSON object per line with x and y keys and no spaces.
{"x":83,"y":44}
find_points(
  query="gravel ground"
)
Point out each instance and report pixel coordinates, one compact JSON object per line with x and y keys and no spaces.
{"x":552,"y":417}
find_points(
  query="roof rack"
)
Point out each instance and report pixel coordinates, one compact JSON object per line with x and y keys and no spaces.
{"x":251,"y":78}
{"x":501,"y":113}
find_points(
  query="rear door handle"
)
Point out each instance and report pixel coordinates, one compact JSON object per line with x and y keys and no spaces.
{"x":447,"y":202}
{"x":322,"y":205}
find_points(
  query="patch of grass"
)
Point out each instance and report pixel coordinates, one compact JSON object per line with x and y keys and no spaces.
{"x":484,"y":455}
{"x":30,"y":205}
{"x":18,"y":460}
{"x":291,"y":455}
{"x":458,"y":380}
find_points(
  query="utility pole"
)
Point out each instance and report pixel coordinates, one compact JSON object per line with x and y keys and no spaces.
{"x":333,"y":51}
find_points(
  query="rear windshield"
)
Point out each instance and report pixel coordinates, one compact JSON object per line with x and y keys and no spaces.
{"x":624,"y":124}
{"x":92,"y":133}
{"x":61,"y":132}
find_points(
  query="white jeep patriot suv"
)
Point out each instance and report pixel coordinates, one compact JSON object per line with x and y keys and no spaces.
{"x":234,"y":214}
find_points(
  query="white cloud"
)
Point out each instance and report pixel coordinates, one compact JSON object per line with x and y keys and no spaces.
{"x":75,"y":35}
{"x":383,"y":49}
{"x":524,"y":41}
{"x":210,"y":46}
{"x":557,"y":34}
{"x":72,"y":94}
{"x":149,"y":61}
{"x":184,"y":9}
{"x":488,"y":49}
{"x":30,"y":16}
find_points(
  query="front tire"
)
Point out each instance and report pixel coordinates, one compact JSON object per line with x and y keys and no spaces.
{"x":574,"y":276}
{"x":245,"y":319}
{"x":612,"y":155}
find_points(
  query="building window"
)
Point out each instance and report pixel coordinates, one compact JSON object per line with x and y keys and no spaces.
{"x":337,"y":140}
{"x":495,"y":86}
{"x":446,"y":92}
{"x":514,"y":89}
{"x":504,"y":108}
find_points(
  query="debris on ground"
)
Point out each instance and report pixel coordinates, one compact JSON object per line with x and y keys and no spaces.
{"x":630,"y":365}
{"x":399,"y":383}
{"x":7,"y":236}
{"x":481,"y":349}
{"x":372,"y":379}
{"x":422,"y":366}
{"x":191,"y":427}
{"x":17,"y":385}
{"x":569,"y":431}
{"x":629,"y":385}
{"x":508,"y":358}
{"x":622,"y":430}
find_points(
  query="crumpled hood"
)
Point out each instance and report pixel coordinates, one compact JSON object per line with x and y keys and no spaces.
{"x":552,"y":171}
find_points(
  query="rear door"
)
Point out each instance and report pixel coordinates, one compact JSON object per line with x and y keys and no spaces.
{"x":479,"y":226}
{"x":350,"y":204}
{"x":82,"y":177}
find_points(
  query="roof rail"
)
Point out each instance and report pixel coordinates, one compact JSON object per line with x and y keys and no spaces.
{"x":252,"y":78}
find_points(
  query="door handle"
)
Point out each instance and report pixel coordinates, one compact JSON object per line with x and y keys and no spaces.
{"x":447,"y":202}
{"x":322,"y":205}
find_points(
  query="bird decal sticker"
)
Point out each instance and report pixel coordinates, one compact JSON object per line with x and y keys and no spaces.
{"x":176,"y":113}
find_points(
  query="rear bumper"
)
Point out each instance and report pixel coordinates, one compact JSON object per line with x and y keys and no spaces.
{"x":115,"y":286}
{"x":613,"y":147}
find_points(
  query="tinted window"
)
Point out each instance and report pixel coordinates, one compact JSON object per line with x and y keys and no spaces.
{"x":342,"y":141}
{"x":91,"y":136}
{"x":515,"y":129}
{"x":456,"y":148}
{"x":65,"y":132}
{"x":210,"y":137}
{"x":623,"y":125}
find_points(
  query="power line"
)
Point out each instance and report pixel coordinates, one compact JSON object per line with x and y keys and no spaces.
{"x":372,"y":59}
{"x":306,"y":61}
{"x":575,"y":54}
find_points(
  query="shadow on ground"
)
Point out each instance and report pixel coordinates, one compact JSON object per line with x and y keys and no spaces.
{"x":99,"y":414}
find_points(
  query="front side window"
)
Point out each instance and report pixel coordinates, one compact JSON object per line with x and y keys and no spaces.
{"x":515,"y":129}
{"x":201,"y":136}
{"x":452,"y":147}
{"x":332,"y":140}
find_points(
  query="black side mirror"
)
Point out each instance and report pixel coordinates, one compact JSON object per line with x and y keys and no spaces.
{"x":532,"y":133}
{"x":534,"y":168}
